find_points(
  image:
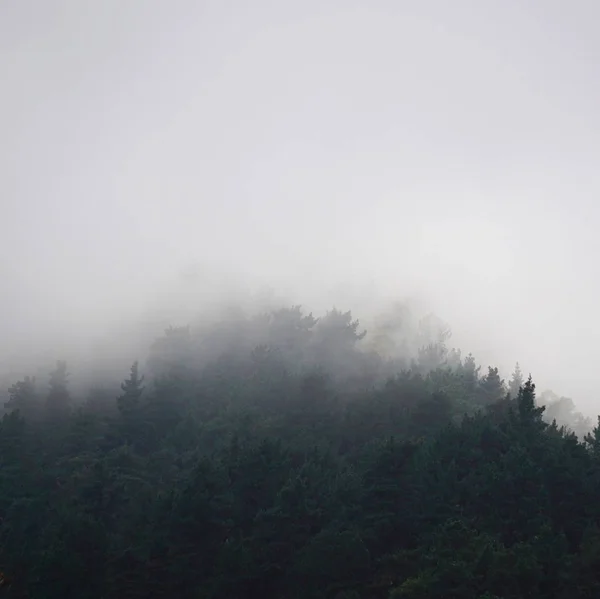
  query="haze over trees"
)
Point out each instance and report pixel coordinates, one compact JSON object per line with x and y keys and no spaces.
{"x":166,"y":433}
{"x":281,"y":453}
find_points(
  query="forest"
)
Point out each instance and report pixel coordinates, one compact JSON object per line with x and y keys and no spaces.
{"x":287,"y":456}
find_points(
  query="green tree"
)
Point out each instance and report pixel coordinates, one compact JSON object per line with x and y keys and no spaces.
{"x":492,"y":387}
{"x":529,"y":413}
{"x":470,"y":372}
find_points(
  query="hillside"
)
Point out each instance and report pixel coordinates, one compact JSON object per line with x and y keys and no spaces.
{"x":287,"y":456}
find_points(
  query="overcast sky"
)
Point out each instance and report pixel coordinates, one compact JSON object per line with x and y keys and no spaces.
{"x":447,"y":149}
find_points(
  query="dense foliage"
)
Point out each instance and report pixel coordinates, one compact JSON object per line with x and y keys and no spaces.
{"x":275,"y":457}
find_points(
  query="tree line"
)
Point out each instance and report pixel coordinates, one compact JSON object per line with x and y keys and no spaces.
{"x":280,"y":455}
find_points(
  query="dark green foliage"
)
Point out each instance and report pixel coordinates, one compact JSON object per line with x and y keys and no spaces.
{"x":268,"y":457}
{"x":492,"y":387}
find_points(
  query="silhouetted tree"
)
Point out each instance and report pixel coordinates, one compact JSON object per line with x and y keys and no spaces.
{"x":132,"y":388}
{"x":529,"y":412}
{"x":470,"y":372}
{"x":492,"y":386}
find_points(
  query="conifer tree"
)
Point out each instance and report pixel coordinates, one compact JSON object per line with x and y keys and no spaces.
{"x":528,"y":411}
{"x":132,"y":391}
{"x":492,"y":386}
{"x":470,"y":372}
{"x":516,"y":382}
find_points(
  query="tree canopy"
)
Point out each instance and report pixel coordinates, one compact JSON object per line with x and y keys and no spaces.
{"x":284,"y":455}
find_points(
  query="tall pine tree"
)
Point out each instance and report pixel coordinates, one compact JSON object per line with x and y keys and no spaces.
{"x":516,"y":382}
{"x":492,"y":387}
{"x":529,"y":413}
{"x":132,"y":391}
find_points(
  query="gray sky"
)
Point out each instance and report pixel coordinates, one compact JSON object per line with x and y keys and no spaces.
{"x":445,"y":149}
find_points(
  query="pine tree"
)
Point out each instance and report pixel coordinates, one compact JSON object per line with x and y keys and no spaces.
{"x":492,"y":386}
{"x":470,"y":372}
{"x":529,"y":413}
{"x":516,"y":382}
{"x":132,"y":391}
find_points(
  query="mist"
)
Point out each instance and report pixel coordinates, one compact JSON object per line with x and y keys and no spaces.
{"x":159,"y":159}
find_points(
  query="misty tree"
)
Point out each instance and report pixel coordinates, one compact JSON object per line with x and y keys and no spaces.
{"x":430,"y":357}
{"x":253,"y":474}
{"x":392,"y":333}
{"x":290,"y":330}
{"x":433,"y":333}
{"x":22,"y":397}
{"x":563,"y":411}
{"x":492,"y":386}
{"x":234,"y":333}
{"x":128,"y":404}
{"x":338,"y":330}
{"x":516,"y":382}
{"x":454,"y":359}
{"x":58,"y":400}
{"x":528,"y":411}
{"x":469,"y":372}
{"x":132,"y":391}
{"x":334,"y":340}
{"x":432,"y":351}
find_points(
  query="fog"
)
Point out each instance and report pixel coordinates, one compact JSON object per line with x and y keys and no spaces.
{"x":340,"y":153}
